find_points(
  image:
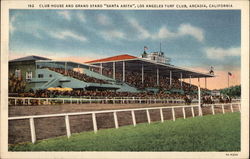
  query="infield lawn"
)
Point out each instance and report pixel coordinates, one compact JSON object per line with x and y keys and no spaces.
{"x":208,"y":133}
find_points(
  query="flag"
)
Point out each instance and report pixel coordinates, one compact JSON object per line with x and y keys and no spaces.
{"x":229,"y":73}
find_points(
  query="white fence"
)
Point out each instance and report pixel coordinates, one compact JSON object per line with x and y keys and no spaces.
{"x":90,"y":100}
{"x":116,"y":122}
{"x":223,"y":107}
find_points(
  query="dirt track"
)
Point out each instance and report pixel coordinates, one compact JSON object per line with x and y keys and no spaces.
{"x":19,"y":130}
{"x":69,"y":108}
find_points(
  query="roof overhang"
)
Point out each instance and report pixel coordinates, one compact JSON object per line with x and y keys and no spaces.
{"x":113,"y":58}
{"x":69,"y":63}
{"x":136,"y":64}
{"x":29,"y":58}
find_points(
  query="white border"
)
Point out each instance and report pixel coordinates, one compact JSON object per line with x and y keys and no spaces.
{"x":243,"y":5}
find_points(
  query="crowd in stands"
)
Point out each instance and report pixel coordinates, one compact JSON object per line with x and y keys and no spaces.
{"x":135,"y":79}
{"x":78,"y":75}
{"x":16,"y":85}
{"x":107,"y":72}
{"x":132,"y":78}
{"x":150,"y":81}
{"x":101,"y":94}
{"x":206,"y":99}
{"x":190,"y":87}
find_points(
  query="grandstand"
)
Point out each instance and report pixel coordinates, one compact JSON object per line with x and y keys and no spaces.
{"x":123,"y":73}
{"x":51,"y":98}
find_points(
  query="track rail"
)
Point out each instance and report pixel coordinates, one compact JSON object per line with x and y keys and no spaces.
{"x":31,"y":118}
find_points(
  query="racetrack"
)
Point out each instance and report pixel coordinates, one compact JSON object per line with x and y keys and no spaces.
{"x":19,"y":130}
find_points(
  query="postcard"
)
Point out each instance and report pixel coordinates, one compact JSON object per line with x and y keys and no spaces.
{"x":124,"y":79}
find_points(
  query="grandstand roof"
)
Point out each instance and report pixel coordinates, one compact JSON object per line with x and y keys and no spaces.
{"x":30,"y":58}
{"x":113,"y":58}
{"x":69,"y":63}
{"x":134,"y":64}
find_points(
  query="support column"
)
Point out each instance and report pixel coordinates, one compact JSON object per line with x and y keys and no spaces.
{"x":113,"y":70}
{"x":206,"y":82}
{"x":199,"y":101}
{"x":170,"y":78}
{"x":198,"y":81}
{"x":190,"y":81}
{"x":157,"y":76}
{"x":101,"y":68}
{"x":65,"y":68}
{"x":123,"y":71}
{"x":142,"y":73}
{"x":181,"y":80}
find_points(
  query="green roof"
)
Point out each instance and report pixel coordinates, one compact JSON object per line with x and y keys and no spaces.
{"x":30,"y":58}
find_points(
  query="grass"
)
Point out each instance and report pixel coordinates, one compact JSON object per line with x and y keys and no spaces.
{"x":208,"y":133}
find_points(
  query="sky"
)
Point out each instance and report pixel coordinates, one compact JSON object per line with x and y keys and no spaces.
{"x":194,"y":39}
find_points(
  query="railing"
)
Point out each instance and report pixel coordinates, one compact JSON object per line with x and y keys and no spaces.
{"x":93,"y":113}
{"x":222,"y":107}
{"x":122,"y":100}
{"x":81,"y":100}
{"x":236,"y":100}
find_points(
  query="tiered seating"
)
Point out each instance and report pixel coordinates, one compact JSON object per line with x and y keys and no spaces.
{"x":78,"y":75}
{"x":134,"y":79}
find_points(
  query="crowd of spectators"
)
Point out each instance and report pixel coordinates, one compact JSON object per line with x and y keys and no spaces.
{"x":78,"y":75}
{"x":150,"y":80}
{"x":16,"y":85}
{"x":99,"y":94}
{"x":206,"y":99}
{"x":189,"y":87}
{"x":132,"y":78}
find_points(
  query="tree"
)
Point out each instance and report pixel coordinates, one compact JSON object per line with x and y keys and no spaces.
{"x":234,"y":91}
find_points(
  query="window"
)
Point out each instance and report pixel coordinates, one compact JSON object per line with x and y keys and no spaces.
{"x":40,"y":75}
{"x":28,"y":75}
{"x":18,"y":73}
{"x":50,"y":75}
